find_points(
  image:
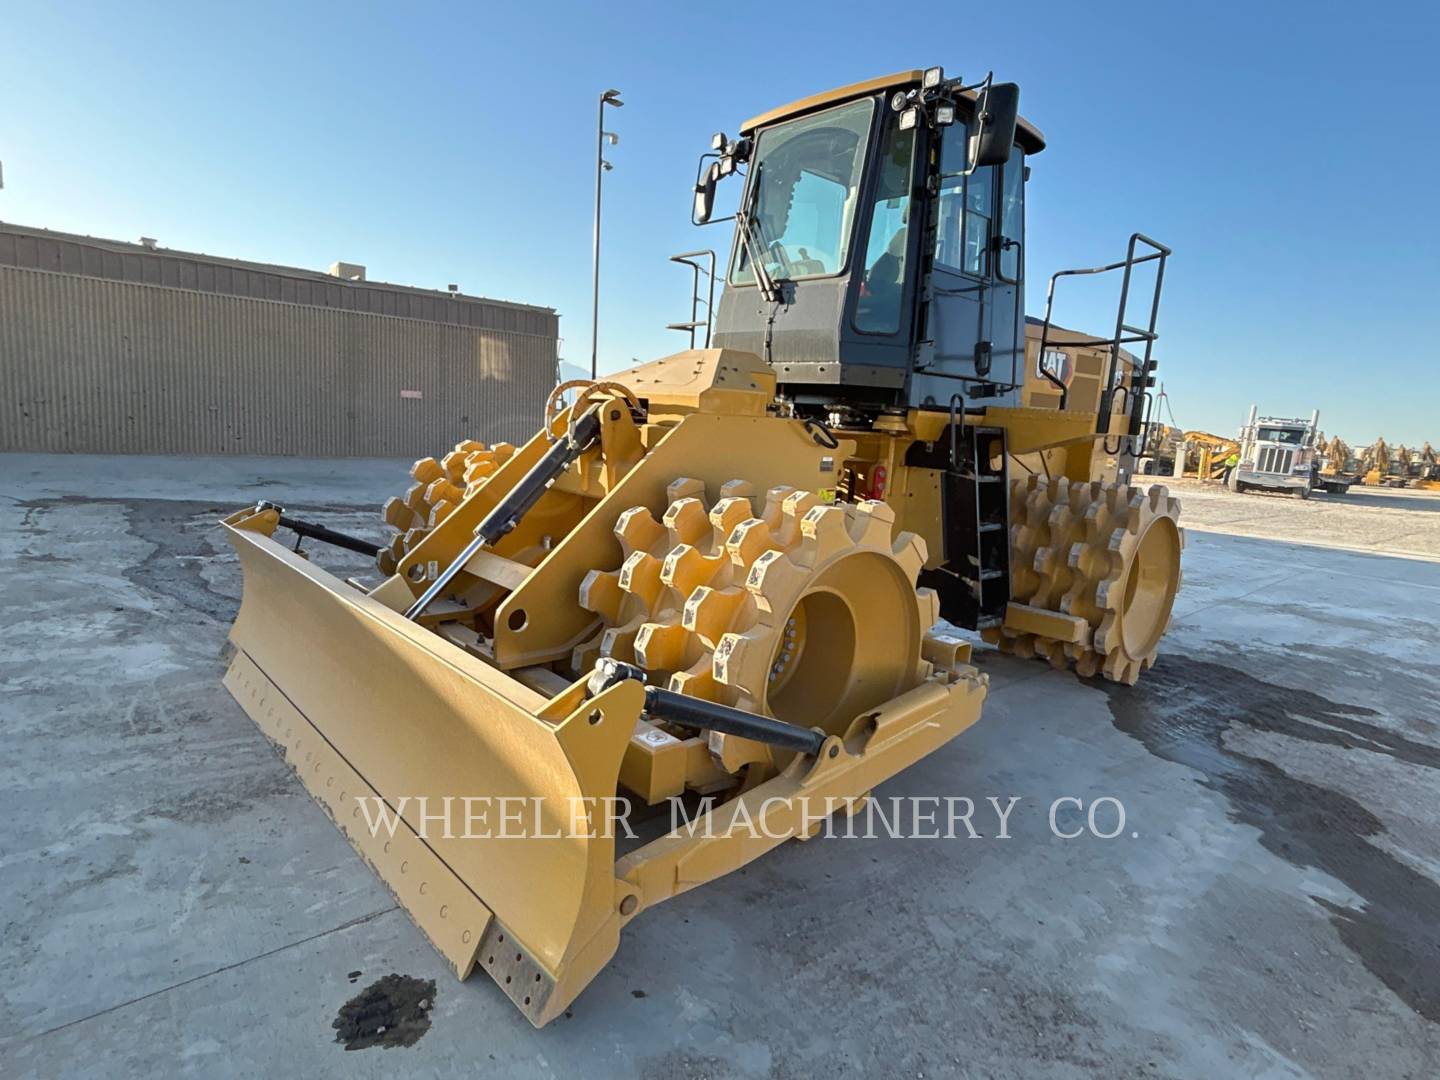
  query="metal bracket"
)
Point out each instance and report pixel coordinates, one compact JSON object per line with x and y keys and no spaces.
{"x":702,"y":715}
{"x":309,"y":530}
{"x":525,"y":494}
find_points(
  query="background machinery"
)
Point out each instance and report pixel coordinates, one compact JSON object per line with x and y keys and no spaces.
{"x":721,"y":576}
{"x":1276,"y":454}
{"x":1382,"y":466}
{"x":1427,"y":468}
{"x":1338,"y":466}
{"x":1402,"y":466}
{"x":1204,"y":454}
{"x":1418,"y":468}
{"x":1374,"y":461}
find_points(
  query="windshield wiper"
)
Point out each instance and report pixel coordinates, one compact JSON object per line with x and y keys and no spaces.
{"x":769,"y":245}
{"x":749,"y":228}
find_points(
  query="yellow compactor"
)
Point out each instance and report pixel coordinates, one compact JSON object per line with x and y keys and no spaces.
{"x":734,"y":577}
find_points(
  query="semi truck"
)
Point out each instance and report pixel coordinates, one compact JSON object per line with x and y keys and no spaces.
{"x":1276,"y":454}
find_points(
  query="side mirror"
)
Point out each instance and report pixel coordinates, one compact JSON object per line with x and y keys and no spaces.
{"x":995,"y":132}
{"x":705,"y":194}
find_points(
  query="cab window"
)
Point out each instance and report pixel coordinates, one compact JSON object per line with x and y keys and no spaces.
{"x":809,"y":173}
{"x":881,"y":292}
{"x":966,"y":208}
{"x":1287,"y":436}
{"x":1012,"y":217}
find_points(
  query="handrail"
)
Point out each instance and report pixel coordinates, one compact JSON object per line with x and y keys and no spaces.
{"x":1141,"y":376}
{"x":690,"y":259}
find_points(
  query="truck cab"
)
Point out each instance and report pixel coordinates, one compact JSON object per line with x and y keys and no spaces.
{"x":1277,"y":454}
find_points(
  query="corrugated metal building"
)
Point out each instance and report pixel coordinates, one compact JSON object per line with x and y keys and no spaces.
{"x":111,"y":347}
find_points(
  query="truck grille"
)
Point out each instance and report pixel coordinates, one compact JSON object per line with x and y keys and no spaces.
{"x":1275,"y":459}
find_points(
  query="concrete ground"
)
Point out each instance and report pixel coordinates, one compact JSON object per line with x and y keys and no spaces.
{"x":174,"y":903}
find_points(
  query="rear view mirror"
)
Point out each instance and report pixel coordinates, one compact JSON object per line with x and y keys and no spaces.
{"x":705,"y":194}
{"x":995,"y":132}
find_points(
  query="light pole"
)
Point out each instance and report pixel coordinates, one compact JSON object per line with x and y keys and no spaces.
{"x":609,"y":97}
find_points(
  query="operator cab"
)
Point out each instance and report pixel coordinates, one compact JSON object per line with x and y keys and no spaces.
{"x":878,"y":257}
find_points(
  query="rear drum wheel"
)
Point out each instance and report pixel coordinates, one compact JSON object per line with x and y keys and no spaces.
{"x":1108,"y":553}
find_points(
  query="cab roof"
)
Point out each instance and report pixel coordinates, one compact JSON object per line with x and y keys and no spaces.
{"x":1030,"y":138}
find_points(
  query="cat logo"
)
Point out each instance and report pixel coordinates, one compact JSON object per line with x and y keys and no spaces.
{"x":1056,"y":364}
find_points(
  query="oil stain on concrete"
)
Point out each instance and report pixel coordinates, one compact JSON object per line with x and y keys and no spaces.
{"x":392,"y":1011}
{"x":1181,"y":711}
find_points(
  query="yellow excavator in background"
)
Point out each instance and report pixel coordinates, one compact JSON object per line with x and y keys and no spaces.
{"x":1334,"y":466}
{"x":1337,"y":459}
{"x":1206,"y":454}
{"x":1427,"y":469}
{"x":1383,"y":467}
{"x":721,"y":576}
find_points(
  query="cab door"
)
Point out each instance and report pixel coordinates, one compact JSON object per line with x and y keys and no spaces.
{"x":973,"y":323}
{"x":878,"y":333}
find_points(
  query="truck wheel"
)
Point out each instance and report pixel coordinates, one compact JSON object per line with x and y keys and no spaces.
{"x":1303,"y":492}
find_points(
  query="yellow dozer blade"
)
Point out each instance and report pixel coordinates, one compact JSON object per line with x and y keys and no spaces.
{"x":367,"y":707}
{"x":450,"y":720}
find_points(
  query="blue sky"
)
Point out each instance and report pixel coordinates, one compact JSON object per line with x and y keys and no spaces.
{"x":1287,"y":152}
